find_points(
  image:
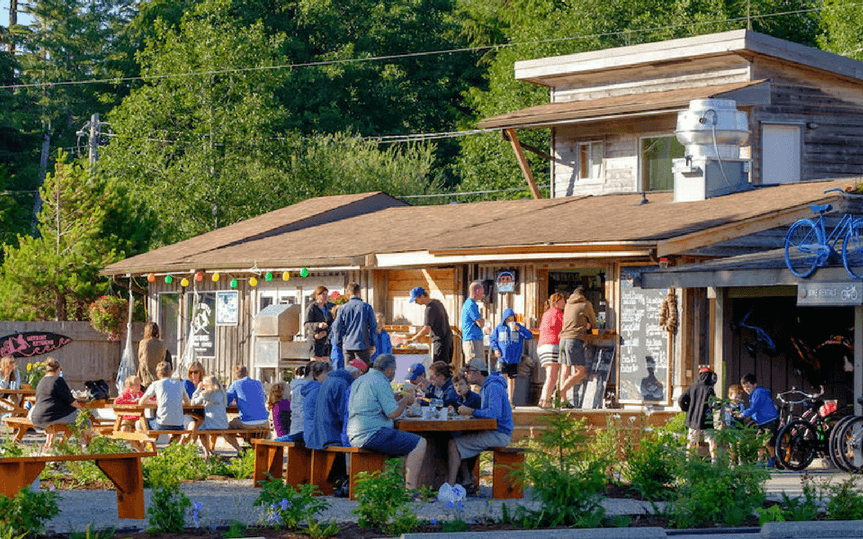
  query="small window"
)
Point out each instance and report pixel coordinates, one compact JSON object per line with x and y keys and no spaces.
{"x":589,"y":160}
{"x":656,"y":155}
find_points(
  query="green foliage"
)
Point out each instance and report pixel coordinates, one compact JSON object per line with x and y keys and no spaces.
{"x":9,"y":448}
{"x":383,"y":502}
{"x":286,"y":506}
{"x":27,"y":512}
{"x":805,"y":508}
{"x":842,"y":28}
{"x":90,"y":532}
{"x":167,"y":508}
{"x":6,"y":532}
{"x":773,"y":513}
{"x":177,"y":462}
{"x":653,"y":458}
{"x":716,"y":493}
{"x":236,"y":530}
{"x":845,"y":501}
{"x":108,"y":315}
{"x":317,"y":530}
{"x":241,"y":467}
{"x":86,"y":472}
{"x":567,"y":477}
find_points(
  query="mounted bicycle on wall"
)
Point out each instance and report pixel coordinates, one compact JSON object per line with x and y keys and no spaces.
{"x":808,"y":246}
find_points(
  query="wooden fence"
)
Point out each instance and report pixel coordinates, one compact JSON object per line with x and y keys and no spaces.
{"x":90,"y":355}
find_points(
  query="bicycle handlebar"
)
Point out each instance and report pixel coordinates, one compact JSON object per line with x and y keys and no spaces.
{"x":834,"y":189}
{"x":806,"y":396}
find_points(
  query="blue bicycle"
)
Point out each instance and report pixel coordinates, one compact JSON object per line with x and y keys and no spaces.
{"x":807,"y":246}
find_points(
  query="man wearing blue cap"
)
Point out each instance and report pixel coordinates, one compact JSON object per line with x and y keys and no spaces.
{"x":436,"y":325}
{"x":417,"y":376}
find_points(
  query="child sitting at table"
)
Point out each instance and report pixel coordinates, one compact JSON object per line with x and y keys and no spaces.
{"x":280,"y":409}
{"x":466,"y":397}
{"x":131,"y":393}
{"x":212,"y":395}
{"x":170,"y":395}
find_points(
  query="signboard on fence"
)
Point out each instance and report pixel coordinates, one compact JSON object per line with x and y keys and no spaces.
{"x":31,"y":343}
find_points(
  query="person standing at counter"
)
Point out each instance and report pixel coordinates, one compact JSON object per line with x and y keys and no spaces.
{"x":548,"y":347}
{"x":354,"y":328}
{"x":436,"y":325}
{"x":319,"y":321}
{"x":383,"y":343}
{"x":472,"y":322}
{"x":578,"y":318}
{"x":507,"y":341}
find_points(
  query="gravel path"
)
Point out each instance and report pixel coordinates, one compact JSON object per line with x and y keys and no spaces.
{"x":225,"y":501}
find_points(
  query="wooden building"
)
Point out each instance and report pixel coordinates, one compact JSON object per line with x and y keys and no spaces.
{"x":613,"y":116}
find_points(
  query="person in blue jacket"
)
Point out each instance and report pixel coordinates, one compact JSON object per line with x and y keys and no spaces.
{"x":494,"y":405}
{"x":383,"y":343}
{"x":507,"y":341}
{"x":763,"y":413}
{"x":319,"y":370}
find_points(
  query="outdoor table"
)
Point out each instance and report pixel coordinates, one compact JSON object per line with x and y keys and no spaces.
{"x":438,"y":433}
{"x":13,"y":400}
{"x":196,"y":411}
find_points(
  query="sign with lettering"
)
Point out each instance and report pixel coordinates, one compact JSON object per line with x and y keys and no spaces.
{"x":830,"y":294}
{"x":505,"y":282}
{"x":203,"y":323}
{"x":31,"y":343}
{"x":644,"y":373}
{"x":227,"y":313}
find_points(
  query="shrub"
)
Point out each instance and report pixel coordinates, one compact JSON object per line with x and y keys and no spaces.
{"x":27,"y":512}
{"x":846,"y":502}
{"x":567,"y":477}
{"x":167,"y":507}
{"x":177,"y":462}
{"x":653,"y":459}
{"x":86,"y":472}
{"x":241,"y":467}
{"x":286,"y":506}
{"x":383,"y":500}
{"x":716,"y":492}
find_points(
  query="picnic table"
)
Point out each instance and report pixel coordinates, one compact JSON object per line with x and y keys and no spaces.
{"x":12,"y":400}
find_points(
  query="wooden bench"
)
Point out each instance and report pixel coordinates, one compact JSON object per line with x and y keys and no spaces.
{"x":505,"y":460}
{"x":209,"y":436}
{"x":141,"y":438}
{"x":20,"y":425}
{"x":311,"y":466}
{"x":123,"y":469}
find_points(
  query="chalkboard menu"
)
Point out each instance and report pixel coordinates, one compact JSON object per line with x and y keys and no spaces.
{"x":203,"y":323}
{"x":643,"y":344}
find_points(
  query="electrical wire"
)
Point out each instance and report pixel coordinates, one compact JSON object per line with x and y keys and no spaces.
{"x":346,"y":61}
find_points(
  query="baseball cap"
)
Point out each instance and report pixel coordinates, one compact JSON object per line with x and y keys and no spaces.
{"x":478,"y":364}
{"x":415,"y":371}
{"x":416,"y":292}
{"x":359,"y":364}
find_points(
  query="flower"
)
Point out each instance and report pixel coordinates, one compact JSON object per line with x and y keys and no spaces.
{"x":108,"y":315}
{"x":449,"y":504}
{"x":284,"y":504}
{"x":433,"y":522}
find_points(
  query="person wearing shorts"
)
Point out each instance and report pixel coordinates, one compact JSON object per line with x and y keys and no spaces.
{"x":472,"y":322}
{"x":578,"y":318}
{"x":436,"y":325}
{"x":495,"y":405}
{"x":699,"y":415}
{"x":507,"y":341}
{"x":371,"y":410}
{"x":763,"y":412}
{"x":548,"y":347}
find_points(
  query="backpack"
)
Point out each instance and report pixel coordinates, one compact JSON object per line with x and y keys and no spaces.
{"x":98,"y":389}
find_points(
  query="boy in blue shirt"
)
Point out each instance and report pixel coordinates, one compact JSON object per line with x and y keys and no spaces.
{"x":763,"y":413}
{"x":507,"y":341}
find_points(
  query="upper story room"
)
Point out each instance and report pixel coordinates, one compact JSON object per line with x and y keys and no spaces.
{"x":613,"y":113}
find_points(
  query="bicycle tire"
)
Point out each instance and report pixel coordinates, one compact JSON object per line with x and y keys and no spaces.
{"x":803,"y":246}
{"x":836,"y":446}
{"x":848,"y":441}
{"x":852,"y":249}
{"x":796,"y":444}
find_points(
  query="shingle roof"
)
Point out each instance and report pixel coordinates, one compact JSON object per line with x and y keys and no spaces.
{"x":578,"y":222}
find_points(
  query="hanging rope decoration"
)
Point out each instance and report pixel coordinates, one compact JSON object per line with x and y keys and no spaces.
{"x":668,"y":312}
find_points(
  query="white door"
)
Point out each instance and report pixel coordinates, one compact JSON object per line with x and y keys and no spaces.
{"x":780,"y":153}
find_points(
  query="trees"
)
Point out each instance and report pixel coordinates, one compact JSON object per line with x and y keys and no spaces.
{"x":842,"y":28}
{"x":82,"y":228}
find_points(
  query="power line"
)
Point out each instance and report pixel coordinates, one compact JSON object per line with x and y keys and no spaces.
{"x":346,"y":61}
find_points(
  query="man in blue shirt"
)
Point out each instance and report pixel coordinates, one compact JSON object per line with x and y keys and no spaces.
{"x":495,"y":405}
{"x":472,"y":323}
{"x":763,"y":413}
{"x":354,"y":328}
{"x":251,"y":401}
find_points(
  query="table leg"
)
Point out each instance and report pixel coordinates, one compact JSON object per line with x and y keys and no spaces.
{"x":17,"y":475}
{"x":268,"y":460}
{"x":299,"y":465}
{"x":128,"y":477}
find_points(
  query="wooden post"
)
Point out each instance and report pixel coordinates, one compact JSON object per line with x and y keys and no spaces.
{"x":522,"y":163}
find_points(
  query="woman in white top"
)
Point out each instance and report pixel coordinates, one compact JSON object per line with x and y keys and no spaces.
{"x":211,"y":394}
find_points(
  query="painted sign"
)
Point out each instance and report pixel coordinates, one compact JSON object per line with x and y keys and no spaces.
{"x":31,"y":343}
{"x":202,"y":324}
{"x":830,"y":294}
{"x":505,"y":282}
{"x":227,"y":313}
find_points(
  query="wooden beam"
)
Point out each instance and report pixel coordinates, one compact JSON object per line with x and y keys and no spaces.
{"x":522,"y":163}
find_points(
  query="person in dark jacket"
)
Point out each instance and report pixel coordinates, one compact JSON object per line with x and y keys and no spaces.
{"x":699,"y":413}
{"x":319,"y":320}
{"x":319,"y":370}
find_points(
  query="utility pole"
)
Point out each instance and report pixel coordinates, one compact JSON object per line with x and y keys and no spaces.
{"x":95,"y":133}
{"x":13,"y":20}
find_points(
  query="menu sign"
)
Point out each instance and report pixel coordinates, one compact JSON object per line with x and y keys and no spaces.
{"x":643,"y":344}
{"x":31,"y":343}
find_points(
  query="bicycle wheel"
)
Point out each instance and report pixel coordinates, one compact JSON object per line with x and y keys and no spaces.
{"x":848,"y":442}
{"x":837,"y":443}
{"x":796,"y":444}
{"x":852,"y":249}
{"x":803,"y":245}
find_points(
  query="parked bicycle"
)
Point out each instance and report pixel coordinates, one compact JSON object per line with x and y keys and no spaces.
{"x":803,"y":438}
{"x":808,"y":246}
{"x":846,"y":440}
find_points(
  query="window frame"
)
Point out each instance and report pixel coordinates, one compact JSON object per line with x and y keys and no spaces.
{"x":643,"y":179}
{"x":580,"y":167}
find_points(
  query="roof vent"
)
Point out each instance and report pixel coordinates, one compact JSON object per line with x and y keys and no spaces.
{"x":712,"y":130}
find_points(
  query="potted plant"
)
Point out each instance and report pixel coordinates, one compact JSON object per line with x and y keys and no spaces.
{"x":108,"y":315}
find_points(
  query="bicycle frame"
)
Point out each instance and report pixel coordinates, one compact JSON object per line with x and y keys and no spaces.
{"x":829,"y":242}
